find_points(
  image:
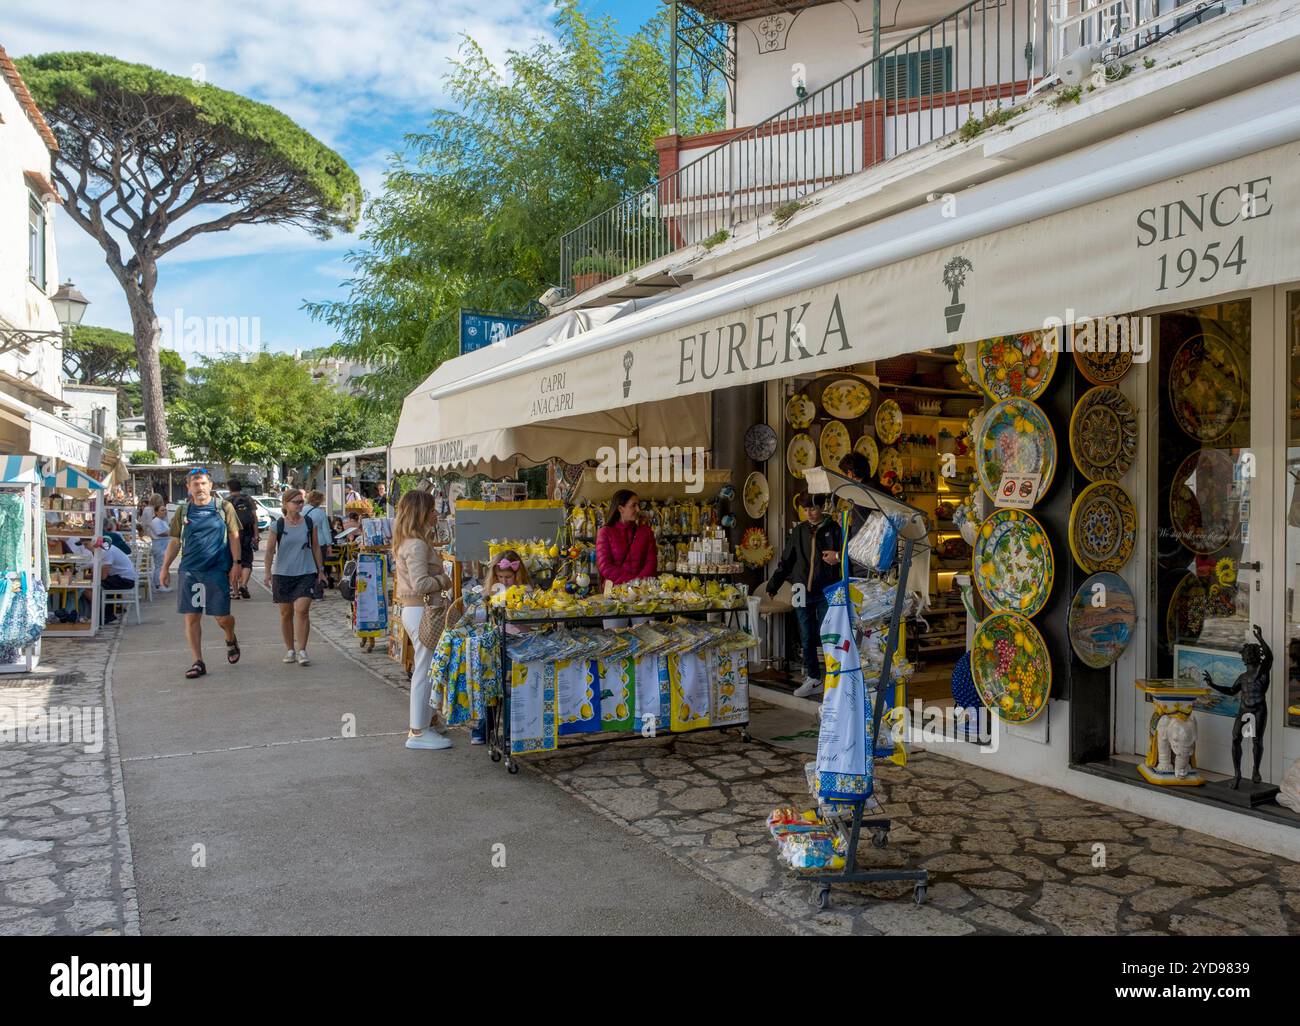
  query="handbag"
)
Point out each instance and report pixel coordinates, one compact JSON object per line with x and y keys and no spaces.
{"x":432,"y":622}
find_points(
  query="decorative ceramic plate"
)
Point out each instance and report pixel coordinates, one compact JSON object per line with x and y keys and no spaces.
{"x":889,"y":422}
{"x":1103,"y":527}
{"x":800,"y":411}
{"x":754,"y":547}
{"x":760,"y":443}
{"x":1014,"y":567}
{"x":1206,"y":387}
{"x":1103,"y":368}
{"x":1203,"y":512}
{"x":846,"y":399}
{"x":834,"y":444}
{"x":867,"y":447}
{"x":1102,"y":615}
{"x":756,"y":495}
{"x":1104,"y":434}
{"x":890,"y":461}
{"x":1014,"y":365}
{"x":800,"y":454}
{"x":1186,"y":613}
{"x":1014,"y":437}
{"x":1012,"y":671}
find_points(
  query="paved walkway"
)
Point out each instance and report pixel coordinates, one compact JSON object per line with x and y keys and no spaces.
{"x":278,"y":799}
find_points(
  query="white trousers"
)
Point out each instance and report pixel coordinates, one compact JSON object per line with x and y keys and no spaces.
{"x":421,"y":682}
{"x":159,"y":551}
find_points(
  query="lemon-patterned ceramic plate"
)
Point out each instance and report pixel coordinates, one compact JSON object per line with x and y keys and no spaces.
{"x":800,"y":411}
{"x":1014,"y":566}
{"x":867,"y":447}
{"x":889,"y":422}
{"x":846,"y":399}
{"x":756,"y":495}
{"x":1015,"y":437}
{"x":834,"y":445}
{"x":890,"y":462}
{"x":800,"y":454}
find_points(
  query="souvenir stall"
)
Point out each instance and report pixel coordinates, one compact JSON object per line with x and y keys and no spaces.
{"x":361,"y":468}
{"x":74,"y":511}
{"x":23,"y":564}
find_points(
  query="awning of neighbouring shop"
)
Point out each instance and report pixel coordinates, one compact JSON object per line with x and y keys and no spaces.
{"x":1086,"y":235}
{"x":41,"y":433}
{"x":72,"y":478}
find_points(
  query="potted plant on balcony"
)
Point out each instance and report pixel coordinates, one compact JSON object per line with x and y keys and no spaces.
{"x":594,"y":268}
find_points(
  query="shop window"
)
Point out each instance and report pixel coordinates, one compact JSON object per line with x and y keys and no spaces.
{"x":1291,"y":496}
{"x":906,"y":76}
{"x":36,"y":242}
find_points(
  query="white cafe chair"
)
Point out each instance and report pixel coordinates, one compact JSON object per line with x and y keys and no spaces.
{"x":124,"y":597}
{"x":143,"y":558}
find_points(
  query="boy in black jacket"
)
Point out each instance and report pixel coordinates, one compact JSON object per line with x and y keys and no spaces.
{"x":811,"y":558}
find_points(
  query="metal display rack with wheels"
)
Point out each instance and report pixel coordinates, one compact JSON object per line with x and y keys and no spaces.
{"x":498,"y":716}
{"x":912,"y":536}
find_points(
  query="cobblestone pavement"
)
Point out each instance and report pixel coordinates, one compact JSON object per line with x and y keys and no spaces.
{"x":65,"y":856}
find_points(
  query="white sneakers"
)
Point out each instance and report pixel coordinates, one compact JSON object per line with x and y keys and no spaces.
{"x":289,"y":656}
{"x":302,"y":658}
{"x":299,"y":657}
{"x":811,"y":686}
{"x":427,"y":738}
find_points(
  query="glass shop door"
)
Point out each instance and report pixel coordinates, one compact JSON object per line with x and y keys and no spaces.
{"x":1283,"y":736}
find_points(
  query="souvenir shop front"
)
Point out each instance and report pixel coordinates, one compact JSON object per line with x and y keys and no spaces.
{"x":1150,"y":525}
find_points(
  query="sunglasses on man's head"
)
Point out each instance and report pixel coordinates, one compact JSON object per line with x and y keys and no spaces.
{"x":197,"y":471}
{"x":508,"y":564}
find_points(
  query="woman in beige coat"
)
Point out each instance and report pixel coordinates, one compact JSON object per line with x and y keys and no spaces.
{"x":419,"y":575}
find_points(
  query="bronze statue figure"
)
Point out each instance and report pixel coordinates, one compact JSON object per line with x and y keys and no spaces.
{"x":1252,"y":686}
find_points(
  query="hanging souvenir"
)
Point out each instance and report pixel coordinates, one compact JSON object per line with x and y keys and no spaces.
{"x":1014,"y":567}
{"x":1014,"y":437}
{"x":1186,"y":613}
{"x":834,"y":444}
{"x":866,"y":446}
{"x":1203,"y":512}
{"x":1015,"y":365}
{"x":1102,"y":368}
{"x":755,"y":495}
{"x":754,"y":548}
{"x":799,"y":411}
{"x":1104,"y":434}
{"x":889,"y":422}
{"x":577,"y":691}
{"x":690,"y":683}
{"x":1206,"y":387}
{"x":800,"y":455}
{"x":845,"y":760}
{"x":617,"y":677}
{"x":534,"y":722}
{"x":846,"y":399}
{"x":1101,"y":620}
{"x":760,"y":443}
{"x":1012,"y":671}
{"x":730,"y":688}
{"x":1103,"y":527}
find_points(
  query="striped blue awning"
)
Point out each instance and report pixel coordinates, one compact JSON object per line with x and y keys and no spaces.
{"x":19,"y":470}
{"x":71,"y":477}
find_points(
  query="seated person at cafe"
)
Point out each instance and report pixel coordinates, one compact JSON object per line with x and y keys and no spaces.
{"x":811,"y":558}
{"x":116,"y":570}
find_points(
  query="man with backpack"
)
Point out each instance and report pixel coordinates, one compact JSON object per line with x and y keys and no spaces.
{"x":246,"y":511}
{"x":206,"y":531}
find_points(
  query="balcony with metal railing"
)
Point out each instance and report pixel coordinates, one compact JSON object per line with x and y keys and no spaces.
{"x":974,"y":64}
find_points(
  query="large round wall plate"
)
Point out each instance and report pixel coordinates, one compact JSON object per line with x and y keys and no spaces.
{"x":1103,"y":527}
{"x":1206,"y":387}
{"x":760,"y":442}
{"x":755,"y":495}
{"x":800,"y":454}
{"x":1202,"y":510}
{"x":1012,"y":671}
{"x":1102,"y":616}
{"x":1014,"y":566}
{"x":1015,"y":365}
{"x":846,"y":399}
{"x":1014,"y":437}
{"x":890,"y":462}
{"x":1185,"y":616}
{"x":834,"y":445}
{"x":800,"y":411}
{"x":1102,"y":368}
{"x":889,"y":422}
{"x":867,"y":447}
{"x":1104,"y":434}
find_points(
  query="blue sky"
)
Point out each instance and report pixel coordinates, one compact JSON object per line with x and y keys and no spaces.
{"x":356,"y":74}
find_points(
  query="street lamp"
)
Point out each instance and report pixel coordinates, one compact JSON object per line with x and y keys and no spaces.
{"x":69,"y":307}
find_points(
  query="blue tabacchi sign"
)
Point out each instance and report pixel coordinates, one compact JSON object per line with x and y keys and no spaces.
{"x":479,"y":329}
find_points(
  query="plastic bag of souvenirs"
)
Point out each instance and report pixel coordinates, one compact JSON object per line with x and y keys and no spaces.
{"x":873,"y":600}
{"x":818,"y":850}
{"x":875,"y":546}
{"x":789,"y":820}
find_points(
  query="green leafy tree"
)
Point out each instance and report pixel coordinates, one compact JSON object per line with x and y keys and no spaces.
{"x":473,"y":210}
{"x":103,"y":356}
{"x":148,"y":161}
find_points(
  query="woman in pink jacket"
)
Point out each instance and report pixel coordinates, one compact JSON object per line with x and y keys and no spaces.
{"x":625,"y":547}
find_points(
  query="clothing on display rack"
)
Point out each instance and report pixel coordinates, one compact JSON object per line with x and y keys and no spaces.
{"x":466,"y":671}
{"x":13,"y":518}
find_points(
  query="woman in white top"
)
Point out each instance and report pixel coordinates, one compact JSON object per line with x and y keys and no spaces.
{"x":157,"y":530}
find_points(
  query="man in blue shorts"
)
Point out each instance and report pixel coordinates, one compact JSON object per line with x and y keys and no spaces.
{"x":206,"y":530}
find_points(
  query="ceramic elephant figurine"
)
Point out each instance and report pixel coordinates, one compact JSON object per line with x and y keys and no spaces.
{"x":1176,"y":741}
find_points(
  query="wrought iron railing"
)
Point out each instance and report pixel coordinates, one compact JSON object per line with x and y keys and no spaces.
{"x":960,"y":74}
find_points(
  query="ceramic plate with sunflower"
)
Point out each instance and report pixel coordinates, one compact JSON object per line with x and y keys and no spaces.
{"x":1014,"y":437}
{"x":1014,"y":566}
{"x":1015,"y":365}
{"x":1012,"y":671}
